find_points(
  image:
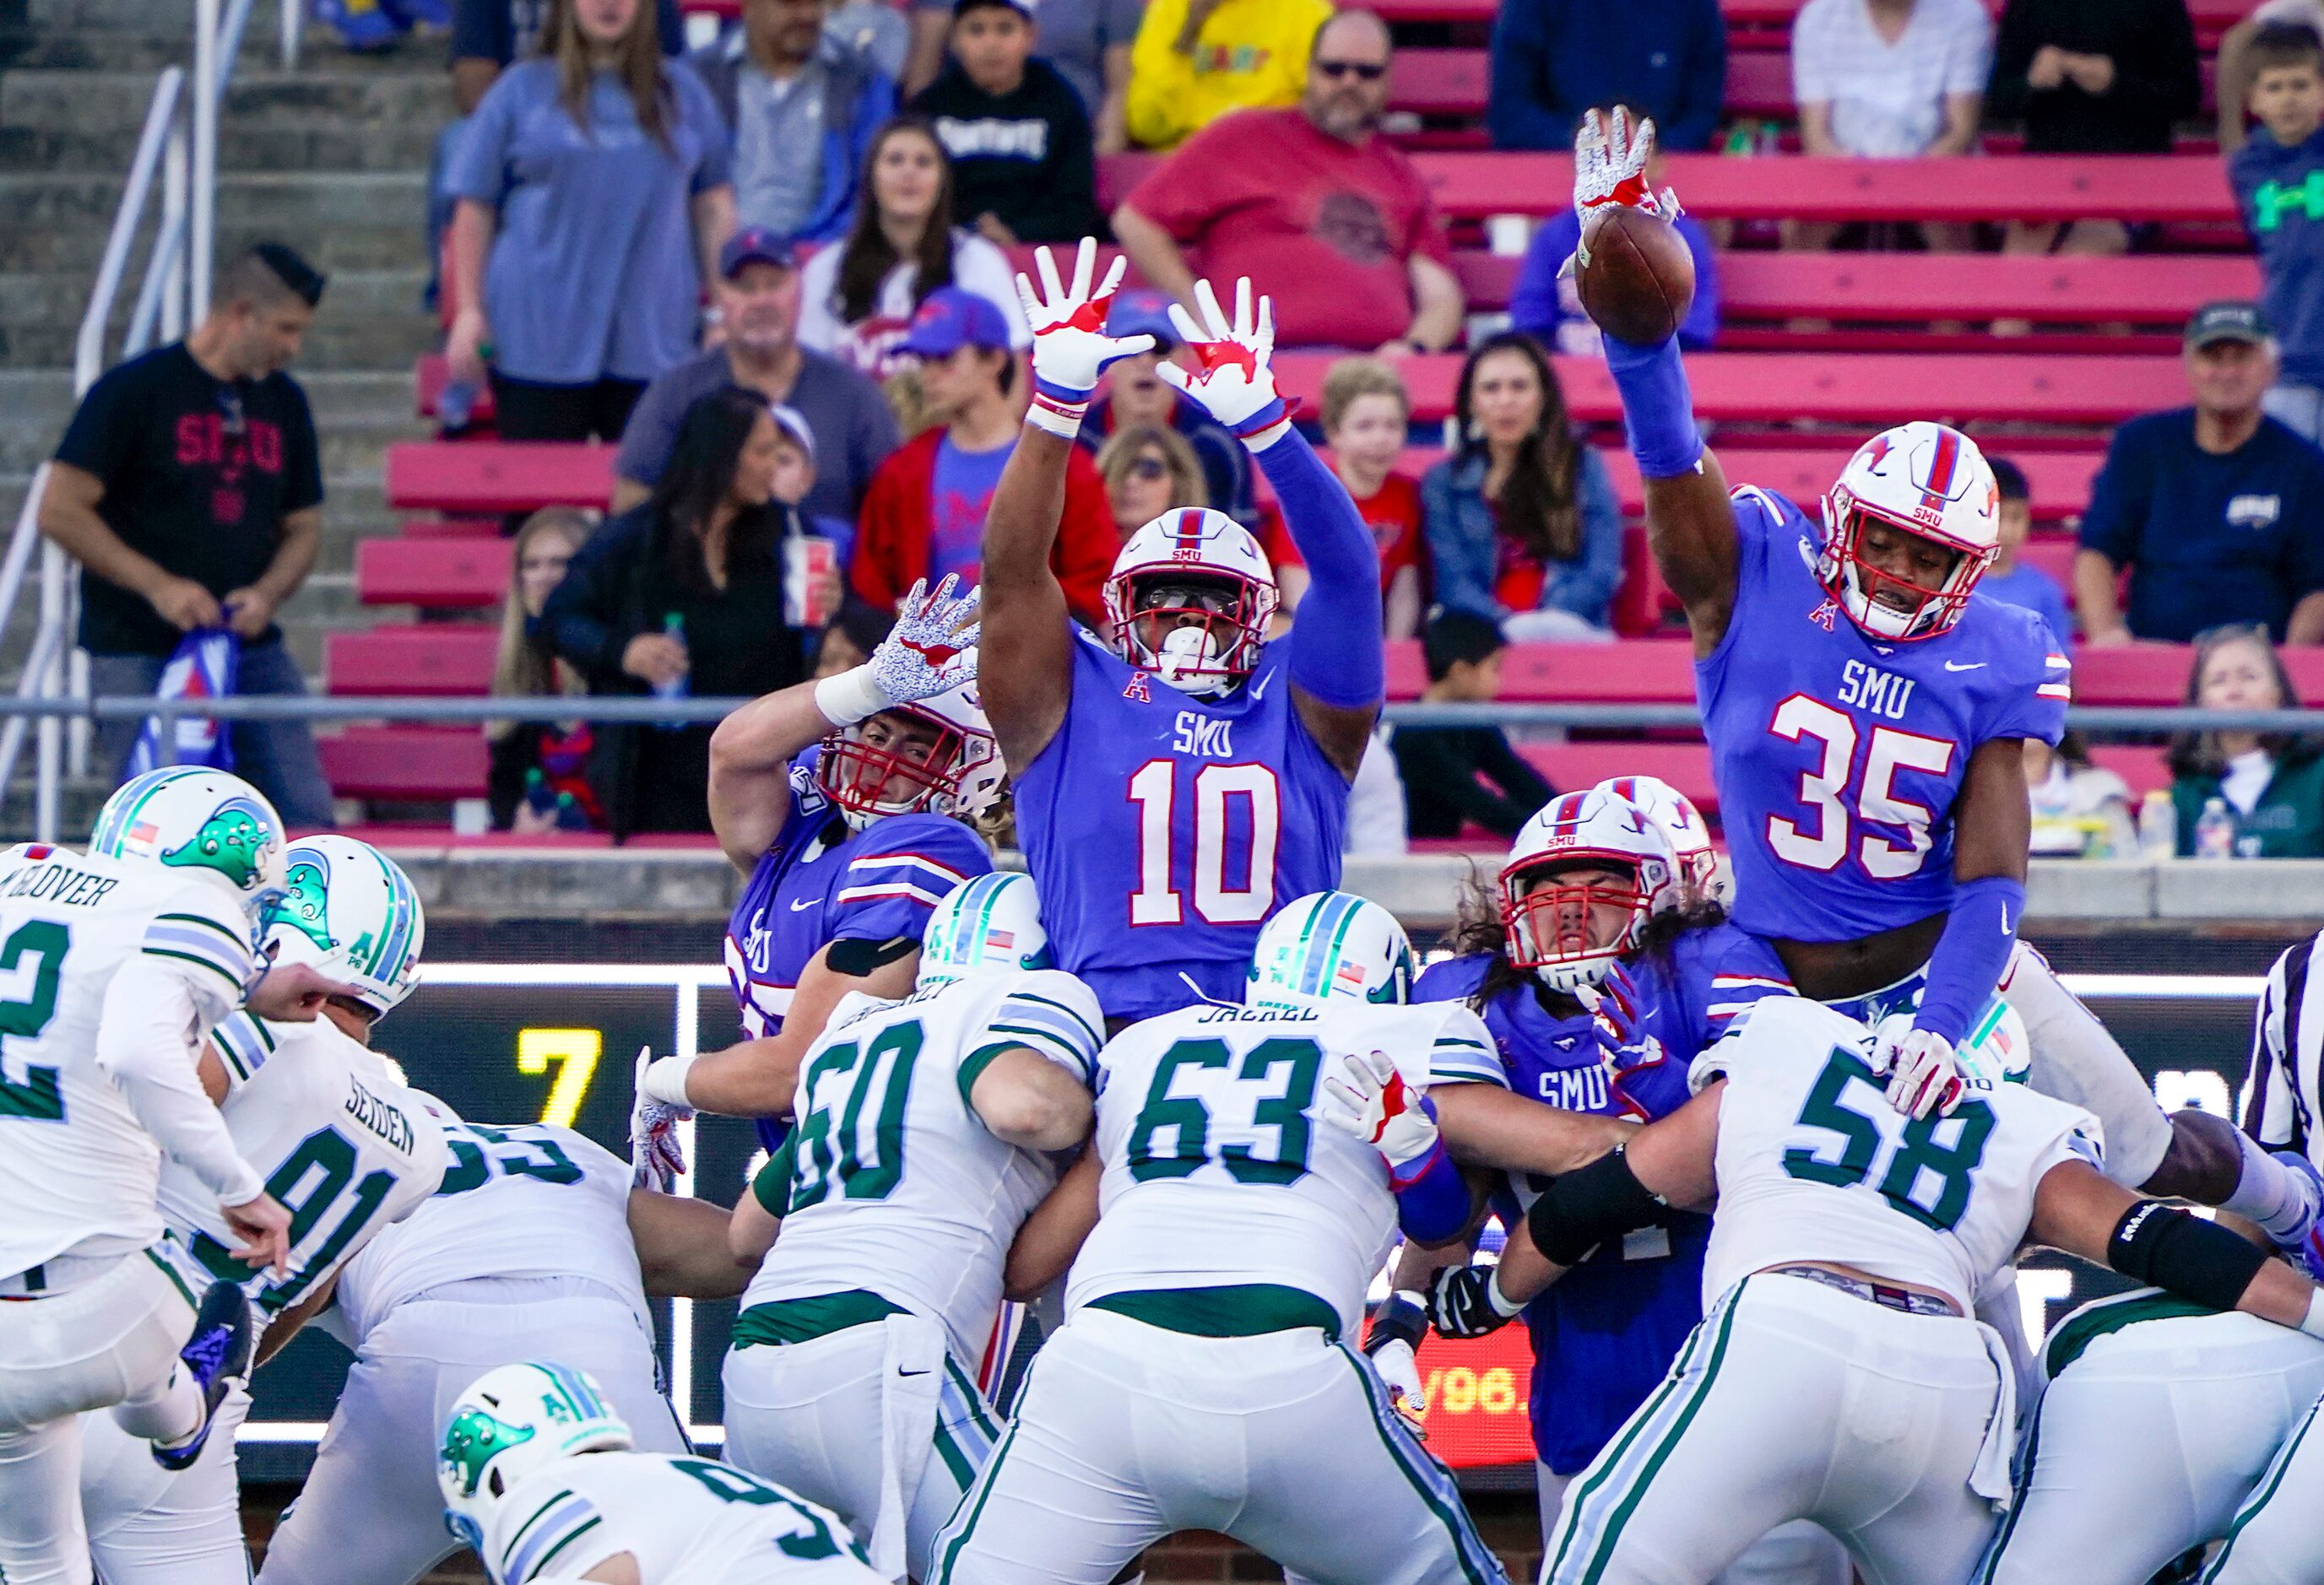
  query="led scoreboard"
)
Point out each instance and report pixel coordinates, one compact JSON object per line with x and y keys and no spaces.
{"x":508,"y":1043}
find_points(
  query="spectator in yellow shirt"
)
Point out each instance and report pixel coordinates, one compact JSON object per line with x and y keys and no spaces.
{"x":1194,"y":61}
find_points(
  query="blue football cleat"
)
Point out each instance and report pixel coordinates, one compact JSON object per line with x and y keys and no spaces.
{"x":218,"y":1355}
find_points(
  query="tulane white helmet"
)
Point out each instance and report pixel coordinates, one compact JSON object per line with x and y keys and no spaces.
{"x":1681,"y":823}
{"x":887,"y":764}
{"x":350,"y":911}
{"x":1927,"y":481}
{"x":203,"y":821}
{"x":1190,"y":597}
{"x":1996,"y":1047}
{"x":1326,"y":946}
{"x":1547,"y":921}
{"x":513,"y":1420}
{"x":987,"y":926}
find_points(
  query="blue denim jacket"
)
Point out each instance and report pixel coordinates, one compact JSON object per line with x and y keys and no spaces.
{"x":1458,"y":523}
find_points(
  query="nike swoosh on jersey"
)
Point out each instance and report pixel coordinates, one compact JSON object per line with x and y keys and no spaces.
{"x":800,"y":907}
{"x":1964,"y":666}
{"x":1258,"y":688}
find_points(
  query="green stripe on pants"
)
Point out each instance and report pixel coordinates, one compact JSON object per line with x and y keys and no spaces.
{"x":1468,"y":1546}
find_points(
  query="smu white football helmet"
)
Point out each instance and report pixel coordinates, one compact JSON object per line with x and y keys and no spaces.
{"x":867,"y":772}
{"x":1682,"y":824}
{"x":1922,"y":479}
{"x":1190,"y":597}
{"x":1548,"y":922}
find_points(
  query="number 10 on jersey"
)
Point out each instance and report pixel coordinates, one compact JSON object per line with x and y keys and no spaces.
{"x":1235,"y":807}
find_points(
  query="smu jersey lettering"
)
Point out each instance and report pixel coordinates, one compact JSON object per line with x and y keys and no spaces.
{"x":1163,"y":830}
{"x":1839,"y":757}
{"x":809,"y":890}
{"x":1605,"y":1336}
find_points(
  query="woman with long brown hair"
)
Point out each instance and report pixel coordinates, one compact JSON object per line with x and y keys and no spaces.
{"x":857,"y":299}
{"x":1522,"y":522}
{"x":593,"y":199}
{"x":527,"y":667}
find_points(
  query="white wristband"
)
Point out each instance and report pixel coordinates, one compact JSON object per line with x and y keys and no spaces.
{"x":1057,"y":421}
{"x":850,"y":697}
{"x":2313,"y":1322}
{"x":665,"y":1079}
{"x":1503,"y":1305}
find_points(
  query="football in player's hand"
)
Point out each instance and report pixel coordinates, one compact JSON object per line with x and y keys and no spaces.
{"x":1639,"y":279}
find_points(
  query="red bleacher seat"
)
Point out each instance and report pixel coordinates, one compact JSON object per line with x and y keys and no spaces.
{"x":409,"y":764}
{"x":506,"y":475}
{"x":2156,"y":674}
{"x":2059,"y":481}
{"x":1873,"y":388}
{"x":440,"y":574}
{"x":1889,"y":287}
{"x":1569,"y":766}
{"x":1440,"y":82}
{"x":1637,"y":671}
{"x":1644,"y":601}
{"x":432,"y":659}
{"x":2030,"y":187}
{"x":2141,"y":765}
{"x":450,"y":528}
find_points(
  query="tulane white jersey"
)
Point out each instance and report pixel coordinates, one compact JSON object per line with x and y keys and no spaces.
{"x":1219,"y":1169}
{"x":896,"y":1187}
{"x":1815,"y":1165}
{"x":76,"y":1168}
{"x":686,"y":1521}
{"x":523,"y":1201}
{"x":343,"y":1143}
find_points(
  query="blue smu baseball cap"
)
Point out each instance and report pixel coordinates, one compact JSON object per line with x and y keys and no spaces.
{"x":1143,"y":312}
{"x":950,"y":319}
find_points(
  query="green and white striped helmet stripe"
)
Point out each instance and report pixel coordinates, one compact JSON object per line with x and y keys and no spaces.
{"x":988,"y":924}
{"x":1331,"y":944}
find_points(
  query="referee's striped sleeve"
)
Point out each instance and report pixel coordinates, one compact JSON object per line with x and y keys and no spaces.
{"x":2280,"y":1089}
{"x":1047,"y":1011}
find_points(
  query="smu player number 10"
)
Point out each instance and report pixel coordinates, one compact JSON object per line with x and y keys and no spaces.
{"x":1217,"y":790}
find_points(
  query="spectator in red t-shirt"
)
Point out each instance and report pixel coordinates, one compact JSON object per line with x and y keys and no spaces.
{"x":1312,"y":203}
{"x":923,"y":515}
{"x":1367,"y":417}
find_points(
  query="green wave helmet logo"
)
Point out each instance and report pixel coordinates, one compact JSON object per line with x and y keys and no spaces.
{"x":229,"y":842}
{"x":473,"y":1440}
{"x":306,"y":904}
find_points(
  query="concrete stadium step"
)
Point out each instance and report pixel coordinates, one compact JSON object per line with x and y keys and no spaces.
{"x":309,"y":203}
{"x":56,"y":120}
{"x":369,"y":320}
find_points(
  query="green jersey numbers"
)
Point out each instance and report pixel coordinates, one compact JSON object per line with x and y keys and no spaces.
{"x":480,"y":1155}
{"x":317,"y":1184}
{"x":32,"y":963}
{"x":813,"y":1541}
{"x":1177,"y":1131}
{"x":1923,"y":1166}
{"x":851,"y":1132}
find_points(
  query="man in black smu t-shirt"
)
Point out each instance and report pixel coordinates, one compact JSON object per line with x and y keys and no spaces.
{"x":189,"y":488}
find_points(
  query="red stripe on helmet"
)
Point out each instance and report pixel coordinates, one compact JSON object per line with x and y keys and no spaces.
{"x":1941,"y":466}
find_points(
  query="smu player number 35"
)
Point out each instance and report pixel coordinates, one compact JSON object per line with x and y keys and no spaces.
{"x":1823,"y":843}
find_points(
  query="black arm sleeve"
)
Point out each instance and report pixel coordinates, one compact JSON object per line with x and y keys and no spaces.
{"x":2198,"y":1260}
{"x":1585,"y":1207}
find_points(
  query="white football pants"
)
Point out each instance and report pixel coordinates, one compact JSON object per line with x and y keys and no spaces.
{"x":370,"y":1513}
{"x":2076,"y":1061}
{"x":1798,"y":1554}
{"x":148,"y":1526}
{"x":2148,"y":1440}
{"x":111,"y":1342}
{"x":1128,"y":1433}
{"x":1796,"y":1401}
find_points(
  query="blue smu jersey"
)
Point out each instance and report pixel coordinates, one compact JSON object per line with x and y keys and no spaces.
{"x":1838,"y":756}
{"x":877,"y":884}
{"x":1604,"y":1336}
{"x":1163,"y":830}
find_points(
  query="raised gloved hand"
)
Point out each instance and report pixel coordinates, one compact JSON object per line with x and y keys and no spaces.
{"x":657,"y":1155}
{"x":931,"y":651}
{"x":1466,"y":1301}
{"x":1609,"y":171}
{"x":1925,"y":1077}
{"x":1070,"y":346}
{"x":1365,"y":1096}
{"x":1236,"y":383}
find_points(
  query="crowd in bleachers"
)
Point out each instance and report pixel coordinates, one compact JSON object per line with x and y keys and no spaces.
{"x":821,"y":207}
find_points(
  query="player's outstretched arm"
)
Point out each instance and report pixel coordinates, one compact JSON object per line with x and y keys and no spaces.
{"x":1053,"y":1235}
{"x":930,"y":651}
{"x":759,"y":1078}
{"x":1028,"y":1101}
{"x":2079,"y":1210}
{"x":1484,"y":1125}
{"x":1689,"y":522}
{"x":1027,"y":667}
{"x":1339,"y":665}
{"x":682,"y":1247}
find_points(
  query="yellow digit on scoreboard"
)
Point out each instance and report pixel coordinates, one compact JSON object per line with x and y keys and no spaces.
{"x":576,"y":1052}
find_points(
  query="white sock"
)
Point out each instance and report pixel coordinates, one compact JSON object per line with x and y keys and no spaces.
{"x":170,"y":1415}
{"x":2076,"y":1061}
{"x":2281,"y":1199}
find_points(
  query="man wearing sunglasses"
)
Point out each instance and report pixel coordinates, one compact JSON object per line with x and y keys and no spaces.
{"x":1312,"y":195}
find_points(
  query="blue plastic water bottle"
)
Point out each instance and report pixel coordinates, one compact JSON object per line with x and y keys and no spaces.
{"x":673,"y":626}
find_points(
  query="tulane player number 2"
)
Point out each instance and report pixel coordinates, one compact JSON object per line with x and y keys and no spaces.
{"x":1234,"y":804}
{"x":1823,"y":843}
